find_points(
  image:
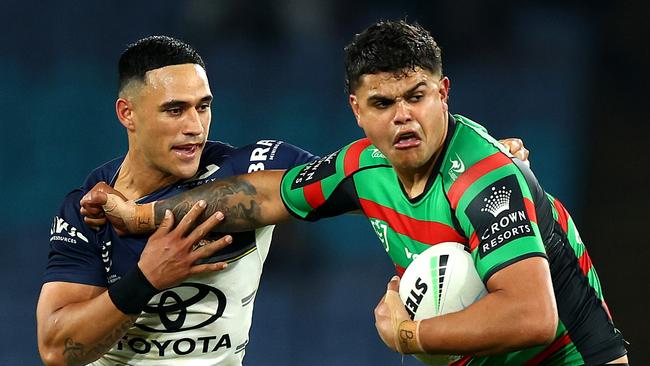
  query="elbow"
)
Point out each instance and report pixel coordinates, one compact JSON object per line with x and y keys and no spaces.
{"x":541,"y":328}
{"x":51,"y":358}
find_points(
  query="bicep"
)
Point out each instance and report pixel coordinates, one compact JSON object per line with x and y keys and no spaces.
{"x":55,"y":296}
{"x":527,"y":285}
{"x":529,"y":277}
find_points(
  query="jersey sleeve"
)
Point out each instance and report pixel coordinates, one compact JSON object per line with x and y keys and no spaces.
{"x":495,"y":208}
{"x":74,"y":255}
{"x":269,"y":155}
{"x":325,"y":187}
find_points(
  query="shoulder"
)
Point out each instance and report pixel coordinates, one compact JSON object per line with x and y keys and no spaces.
{"x":68,"y":225}
{"x":103,"y":173}
{"x":474,"y":159}
{"x":471,"y":152}
{"x":333,"y":168}
{"x":268,"y":155}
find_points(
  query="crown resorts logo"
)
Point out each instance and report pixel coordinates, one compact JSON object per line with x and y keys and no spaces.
{"x":498,"y":201}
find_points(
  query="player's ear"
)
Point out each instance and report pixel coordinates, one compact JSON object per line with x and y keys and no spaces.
{"x":124,"y":111}
{"x":444,"y":86}
{"x":354,"y":104}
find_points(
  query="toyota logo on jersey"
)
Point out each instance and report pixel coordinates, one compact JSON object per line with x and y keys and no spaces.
{"x":171,"y":308}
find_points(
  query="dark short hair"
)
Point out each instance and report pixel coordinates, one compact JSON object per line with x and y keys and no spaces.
{"x":151,"y":53}
{"x":390,"y":46}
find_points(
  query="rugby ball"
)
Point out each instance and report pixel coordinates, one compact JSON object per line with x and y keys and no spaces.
{"x":440,"y":280}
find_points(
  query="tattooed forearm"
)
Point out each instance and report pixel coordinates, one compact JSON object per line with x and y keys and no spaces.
{"x":75,"y":353}
{"x":235,"y":197}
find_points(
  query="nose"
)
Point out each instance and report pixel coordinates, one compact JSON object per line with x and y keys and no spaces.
{"x":402,"y":112}
{"x":193,"y":124}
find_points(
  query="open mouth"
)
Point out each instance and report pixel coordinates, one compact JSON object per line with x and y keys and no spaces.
{"x":186,"y":151}
{"x":407,"y":140}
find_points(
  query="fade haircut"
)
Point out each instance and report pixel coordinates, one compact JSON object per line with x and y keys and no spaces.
{"x":390,"y":46}
{"x":152,"y":53}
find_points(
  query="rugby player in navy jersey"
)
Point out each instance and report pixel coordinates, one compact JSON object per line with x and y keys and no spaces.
{"x":424,"y":176}
{"x":164,"y":299}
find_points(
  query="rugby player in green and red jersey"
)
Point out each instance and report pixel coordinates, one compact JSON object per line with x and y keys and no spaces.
{"x":423,"y":176}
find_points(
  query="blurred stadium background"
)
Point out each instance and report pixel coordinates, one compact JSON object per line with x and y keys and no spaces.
{"x":568,"y":77}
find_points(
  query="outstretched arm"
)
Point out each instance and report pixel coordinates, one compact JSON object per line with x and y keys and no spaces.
{"x":247,"y":201}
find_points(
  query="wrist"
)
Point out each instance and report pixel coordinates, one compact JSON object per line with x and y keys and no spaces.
{"x":407,"y":337}
{"x":143,"y":219}
{"x":132,"y":292}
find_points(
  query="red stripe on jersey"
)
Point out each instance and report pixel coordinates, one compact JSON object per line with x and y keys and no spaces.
{"x":400,"y":270}
{"x":351,"y":159}
{"x":585,"y":262}
{"x":473,"y":241}
{"x":562,"y":215}
{"x":607,"y":310}
{"x":462,"y":362}
{"x":476,"y":171}
{"x":530,"y":209}
{"x":551,"y":349}
{"x":314,"y":194}
{"x":428,"y":232}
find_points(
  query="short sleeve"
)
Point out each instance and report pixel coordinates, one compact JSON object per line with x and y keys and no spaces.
{"x":324,"y":187}
{"x":497,"y":213}
{"x":74,"y":254}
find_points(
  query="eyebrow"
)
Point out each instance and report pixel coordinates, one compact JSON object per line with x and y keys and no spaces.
{"x":175,"y":103}
{"x":383,"y":98}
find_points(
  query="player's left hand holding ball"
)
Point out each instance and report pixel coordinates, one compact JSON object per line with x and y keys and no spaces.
{"x":393,"y":324}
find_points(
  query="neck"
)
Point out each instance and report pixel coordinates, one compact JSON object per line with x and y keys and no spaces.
{"x":415,"y":181}
{"x":138,"y":179}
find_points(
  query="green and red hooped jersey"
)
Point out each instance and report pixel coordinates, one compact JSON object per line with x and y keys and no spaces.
{"x":481,"y":196}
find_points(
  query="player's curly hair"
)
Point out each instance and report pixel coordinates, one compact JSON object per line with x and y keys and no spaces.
{"x":390,"y":46}
{"x":151,"y":53}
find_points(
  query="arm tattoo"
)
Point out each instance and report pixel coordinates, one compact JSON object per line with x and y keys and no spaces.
{"x":75,"y":353}
{"x":235,"y":197}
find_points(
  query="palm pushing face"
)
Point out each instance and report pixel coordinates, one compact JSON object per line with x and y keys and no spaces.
{"x":404,"y":115}
{"x":171,"y":119}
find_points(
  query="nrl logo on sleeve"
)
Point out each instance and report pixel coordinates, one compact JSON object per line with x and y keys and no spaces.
{"x":62,"y":231}
{"x":316,"y":170}
{"x":498,"y":215}
{"x":457,"y":167}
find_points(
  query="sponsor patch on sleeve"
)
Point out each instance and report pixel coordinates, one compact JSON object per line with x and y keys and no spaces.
{"x":498,"y":215}
{"x":316,"y":170}
{"x":62,"y":231}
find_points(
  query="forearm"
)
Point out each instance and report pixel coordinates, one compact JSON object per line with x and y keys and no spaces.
{"x":518,"y":312}
{"x":81,"y":332}
{"x":495,"y":324}
{"x":247,"y":201}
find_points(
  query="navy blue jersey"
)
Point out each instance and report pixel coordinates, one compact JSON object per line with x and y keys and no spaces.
{"x":215,"y":308}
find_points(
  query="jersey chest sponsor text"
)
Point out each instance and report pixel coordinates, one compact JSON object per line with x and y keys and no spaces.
{"x":174,"y":346}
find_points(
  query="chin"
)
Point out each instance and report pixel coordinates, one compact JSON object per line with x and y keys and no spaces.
{"x":187,"y":172}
